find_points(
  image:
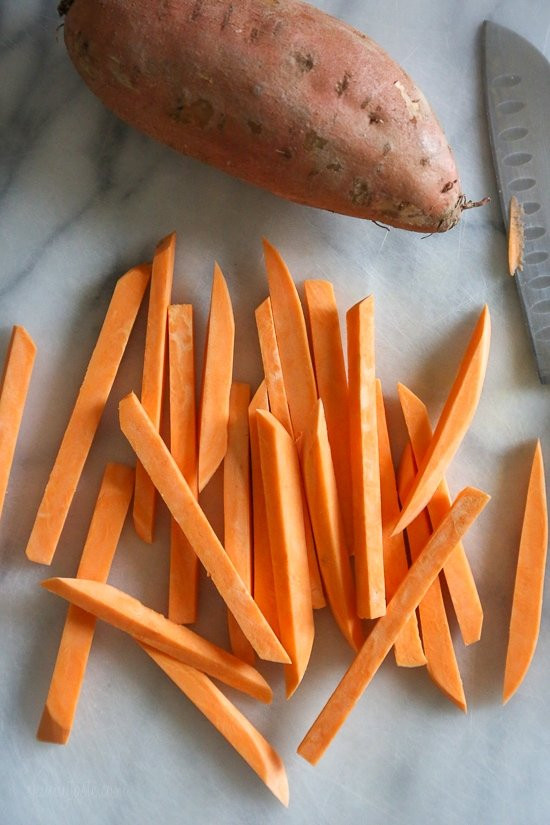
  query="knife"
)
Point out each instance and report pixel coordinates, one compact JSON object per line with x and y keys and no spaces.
{"x":517,"y":99}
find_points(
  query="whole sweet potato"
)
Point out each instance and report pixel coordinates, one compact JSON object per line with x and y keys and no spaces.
{"x":274,"y":92}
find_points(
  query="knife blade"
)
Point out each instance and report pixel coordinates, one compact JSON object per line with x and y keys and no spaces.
{"x":517,"y":100}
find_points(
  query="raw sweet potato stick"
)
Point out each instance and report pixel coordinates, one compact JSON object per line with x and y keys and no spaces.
{"x":239,"y":732}
{"x":332,"y":384}
{"x":164,"y":472}
{"x":326,"y":518}
{"x":184,"y":564}
{"x":13,"y":394}
{"x":453,"y":423}
{"x":146,"y":625}
{"x":108,"y":519}
{"x":436,"y":635}
{"x":236,"y":506}
{"x":365,"y":465}
{"x":467,"y":506}
{"x":283,"y":497}
{"x":152,"y":386}
{"x":529,"y":585}
{"x":217,"y":374}
{"x":457,"y":571}
{"x":86,"y":414}
{"x":408,"y":647}
{"x":263,"y":586}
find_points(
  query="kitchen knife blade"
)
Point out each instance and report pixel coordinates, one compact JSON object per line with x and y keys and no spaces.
{"x":517,"y":98}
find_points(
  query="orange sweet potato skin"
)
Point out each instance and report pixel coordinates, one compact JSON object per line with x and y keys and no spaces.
{"x":277,"y":93}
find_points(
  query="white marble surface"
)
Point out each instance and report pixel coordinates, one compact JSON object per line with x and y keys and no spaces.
{"x":81,"y":198}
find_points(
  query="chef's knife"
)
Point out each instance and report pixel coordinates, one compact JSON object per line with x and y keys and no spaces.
{"x":517,"y":97}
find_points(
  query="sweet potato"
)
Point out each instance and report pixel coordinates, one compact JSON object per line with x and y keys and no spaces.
{"x":277,"y":93}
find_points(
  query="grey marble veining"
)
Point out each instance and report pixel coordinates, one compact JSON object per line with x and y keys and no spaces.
{"x":82,"y":198}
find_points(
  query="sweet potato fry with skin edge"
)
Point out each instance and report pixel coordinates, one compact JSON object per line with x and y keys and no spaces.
{"x":146,"y":625}
{"x":408,"y":647}
{"x":236,"y":506}
{"x":152,"y":386}
{"x":290,"y":328}
{"x":436,"y":636}
{"x":16,"y":378}
{"x":529,"y":585}
{"x":457,"y":571}
{"x":453,"y":423}
{"x":271,"y":361}
{"x":365,"y":470}
{"x":328,"y":528}
{"x":164,"y":472}
{"x":263,"y":586}
{"x":184,"y":564}
{"x":467,"y":506}
{"x":216,"y":380}
{"x":228,"y":720}
{"x":332,"y":385}
{"x":283,"y":496}
{"x":108,"y":519}
{"x":86,"y":414}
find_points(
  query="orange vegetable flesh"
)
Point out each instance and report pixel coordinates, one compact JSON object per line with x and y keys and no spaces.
{"x":365,"y":474}
{"x":86,"y":414}
{"x":436,"y":636}
{"x":457,"y":571}
{"x":108,"y":519}
{"x":290,"y":328}
{"x":164,"y":472}
{"x":128,"y":614}
{"x":324,"y":507}
{"x":13,"y":394}
{"x":318,"y":600}
{"x":467,"y":506}
{"x":184,"y":564}
{"x":529,"y":585}
{"x":271,"y":360}
{"x":236,"y":506}
{"x":453,"y":423}
{"x":263,"y":585}
{"x":408,"y":646}
{"x":152,"y":385}
{"x":332,"y":384}
{"x":285,"y":518}
{"x":228,"y":720}
{"x":516,"y":236}
{"x":216,"y":380}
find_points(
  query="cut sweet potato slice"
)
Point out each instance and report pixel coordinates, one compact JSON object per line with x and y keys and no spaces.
{"x":453,"y":423}
{"x":146,"y":625}
{"x":86,"y":414}
{"x":236,"y":506}
{"x":164,"y":472}
{"x":529,"y":585}
{"x":467,"y":506}
{"x":263,"y":587}
{"x":216,"y":380}
{"x":152,"y":386}
{"x":228,"y":720}
{"x":332,"y":385}
{"x":408,"y":646}
{"x":285,"y":518}
{"x":13,"y":394}
{"x":365,"y":473}
{"x":326,"y":518}
{"x":457,"y":571}
{"x":436,"y":635}
{"x":184,"y":564}
{"x":108,"y":519}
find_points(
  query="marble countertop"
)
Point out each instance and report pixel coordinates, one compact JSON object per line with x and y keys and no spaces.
{"x":82,"y":197}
